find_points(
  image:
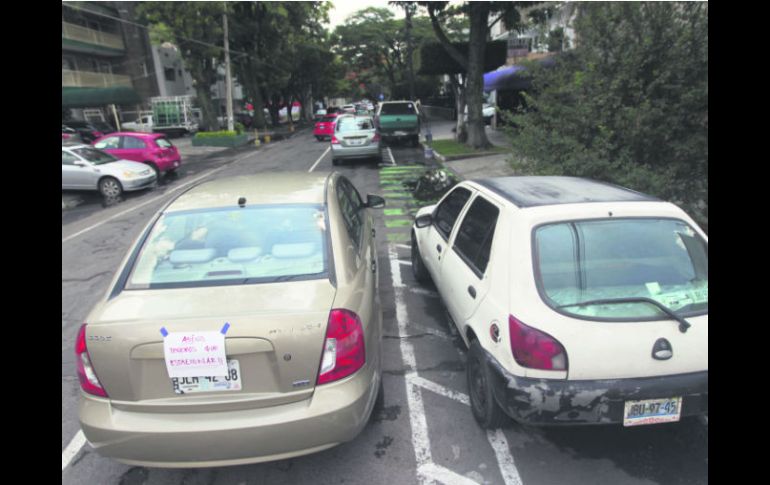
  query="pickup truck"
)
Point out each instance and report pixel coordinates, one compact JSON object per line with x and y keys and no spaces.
{"x":398,"y":120}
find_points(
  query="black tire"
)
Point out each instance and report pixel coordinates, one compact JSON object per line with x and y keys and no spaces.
{"x":110,"y":188}
{"x":415,"y":141}
{"x":155,"y":168}
{"x":419,"y":270}
{"x":335,"y":162}
{"x":485,"y":409}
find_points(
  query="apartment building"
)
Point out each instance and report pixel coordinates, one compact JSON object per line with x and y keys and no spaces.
{"x":106,"y":60}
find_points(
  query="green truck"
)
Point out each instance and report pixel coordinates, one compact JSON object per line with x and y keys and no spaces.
{"x":398,"y":120}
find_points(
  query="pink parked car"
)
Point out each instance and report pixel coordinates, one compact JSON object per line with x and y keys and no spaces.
{"x":154,"y":149}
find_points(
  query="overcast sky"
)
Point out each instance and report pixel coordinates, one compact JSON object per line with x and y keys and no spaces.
{"x":343,"y":8}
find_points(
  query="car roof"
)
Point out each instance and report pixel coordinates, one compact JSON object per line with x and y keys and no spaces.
{"x":277,"y":188}
{"x":537,"y":191}
{"x":137,"y":134}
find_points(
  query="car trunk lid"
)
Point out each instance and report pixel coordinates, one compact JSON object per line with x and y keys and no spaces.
{"x":275,"y":332}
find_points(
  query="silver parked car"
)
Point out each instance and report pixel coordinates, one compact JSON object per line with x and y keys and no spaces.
{"x":355,"y":137}
{"x":83,"y":167}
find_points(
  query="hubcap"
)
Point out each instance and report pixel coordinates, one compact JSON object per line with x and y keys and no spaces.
{"x":110,"y":188}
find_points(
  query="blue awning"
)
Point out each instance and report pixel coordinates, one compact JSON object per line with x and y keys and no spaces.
{"x":506,"y":78}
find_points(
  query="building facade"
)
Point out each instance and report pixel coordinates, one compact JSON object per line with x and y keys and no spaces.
{"x":106,"y":60}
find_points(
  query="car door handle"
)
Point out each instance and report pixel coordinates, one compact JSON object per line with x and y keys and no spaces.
{"x":472,"y":292}
{"x":374,"y":266}
{"x":438,"y":247}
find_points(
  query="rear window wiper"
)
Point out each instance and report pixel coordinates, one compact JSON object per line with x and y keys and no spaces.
{"x":683,"y":324}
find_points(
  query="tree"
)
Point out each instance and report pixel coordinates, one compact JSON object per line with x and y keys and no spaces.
{"x":188,"y":25}
{"x":473,"y":62}
{"x":629,"y":104}
{"x":410,"y":8}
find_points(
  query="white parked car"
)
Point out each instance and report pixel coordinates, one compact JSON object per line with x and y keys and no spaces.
{"x":580,"y":302}
{"x":83,"y":167}
{"x":143,"y":124}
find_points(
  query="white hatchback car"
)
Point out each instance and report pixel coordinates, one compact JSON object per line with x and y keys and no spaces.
{"x":581,"y":302}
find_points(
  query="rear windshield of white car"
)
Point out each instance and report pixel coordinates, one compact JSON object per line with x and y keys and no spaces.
{"x":258,"y":244}
{"x":97,"y":157}
{"x":584,"y":267}
{"x":345,"y":125}
{"x":398,"y":109}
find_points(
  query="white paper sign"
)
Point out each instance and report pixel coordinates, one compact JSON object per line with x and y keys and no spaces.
{"x":195,"y":354}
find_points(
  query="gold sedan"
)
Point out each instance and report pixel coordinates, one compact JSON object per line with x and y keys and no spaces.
{"x":243,"y":326}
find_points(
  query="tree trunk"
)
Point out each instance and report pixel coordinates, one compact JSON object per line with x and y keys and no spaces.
{"x":459,"y":93}
{"x":479,"y":15}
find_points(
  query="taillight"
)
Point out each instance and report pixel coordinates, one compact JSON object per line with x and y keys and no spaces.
{"x":535,"y":349}
{"x":344,"y":351}
{"x":88,"y":380}
{"x":335,"y":141}
{"x":376,"y":137}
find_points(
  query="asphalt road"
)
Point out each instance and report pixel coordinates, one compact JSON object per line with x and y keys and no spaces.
{"x":426,"y":432}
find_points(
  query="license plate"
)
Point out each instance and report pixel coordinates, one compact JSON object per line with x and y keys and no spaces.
{"x":356,"y":142}
{"x":400,"y":133}
{"x":652,"y":411}
{"x":230,"y":382}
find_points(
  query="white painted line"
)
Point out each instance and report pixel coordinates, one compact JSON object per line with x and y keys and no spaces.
{"x":504,"y":458}
{"x":392,"y":159}
{"x":319,"y":159}
{"x":403,"y":246}
{"x":423,"y":292}
{"x":405,"y":263}
{"x":72,"y":449}
{"x":154,"y":199}
{"x":443,"y":475}
{"x":441,"y":390}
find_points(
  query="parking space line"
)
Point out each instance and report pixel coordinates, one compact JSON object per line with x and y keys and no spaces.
{"x":72,"y":449}
{"x":426,"y":468}
{"x":392,"y":159}
{"x":319,"y":159}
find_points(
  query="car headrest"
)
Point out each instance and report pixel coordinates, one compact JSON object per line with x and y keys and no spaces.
{"x":192,"y":256}
{"x":240,"y":255}
{"x":296,"y":250}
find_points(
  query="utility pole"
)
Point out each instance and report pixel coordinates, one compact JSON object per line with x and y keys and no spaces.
{"x":228,"y":77}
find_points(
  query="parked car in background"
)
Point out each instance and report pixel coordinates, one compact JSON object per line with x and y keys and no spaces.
{"x":153,"y":149}
{"x":349,"y":108}
{"x":398,"y":120}
{"x":70,"y":135}
{"x":87,"y":131}
{"x":142,"y":124}
{"x":325,"y":127}
{"x":274,"y":276}
{"x":319,"y":114}
{"x":487,"y":111}
{"x":580,"y":302}
{"x":354,"y":138}
{"x":83,"y":167}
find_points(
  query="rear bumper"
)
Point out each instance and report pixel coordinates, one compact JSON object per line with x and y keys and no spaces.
{"x":339,"y":151}
{"x":400,"y":133}
{"x":556,"y":402}
{"x":167,"y":164}
{"x":335,"y":413}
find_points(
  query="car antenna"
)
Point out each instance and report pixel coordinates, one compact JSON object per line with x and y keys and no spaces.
{"x":242,"y":202}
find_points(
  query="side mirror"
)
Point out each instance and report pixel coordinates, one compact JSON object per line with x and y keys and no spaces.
{"x":375,"y":201}
{"x":424,"y":221}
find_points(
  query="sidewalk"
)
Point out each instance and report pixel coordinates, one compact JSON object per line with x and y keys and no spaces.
{"x":496,"y":165}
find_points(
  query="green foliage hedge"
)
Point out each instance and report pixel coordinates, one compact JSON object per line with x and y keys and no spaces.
{"x":629,"y":105}
{"x":216,"y":134}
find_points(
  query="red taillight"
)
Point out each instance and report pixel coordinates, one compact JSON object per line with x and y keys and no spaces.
{"x":335,"y":141}
{"x":535,"y":349}
{"x":344,"y":350}
{"x":88,"y":380}
{"x":376,"y":137}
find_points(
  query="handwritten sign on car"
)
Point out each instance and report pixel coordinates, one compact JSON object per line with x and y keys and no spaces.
{"x":195,"y":354}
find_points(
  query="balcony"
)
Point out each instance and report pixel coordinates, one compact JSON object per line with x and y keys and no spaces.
{"x":77,"y":34}
{"x":86,"y":79}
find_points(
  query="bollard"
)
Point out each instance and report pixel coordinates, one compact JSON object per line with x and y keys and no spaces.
{"x":256,"y":138}
{"x":428,"y":153}
{"x":267,"y":138}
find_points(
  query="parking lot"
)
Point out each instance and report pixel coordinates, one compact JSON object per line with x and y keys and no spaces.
{"x":426,"y":432}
